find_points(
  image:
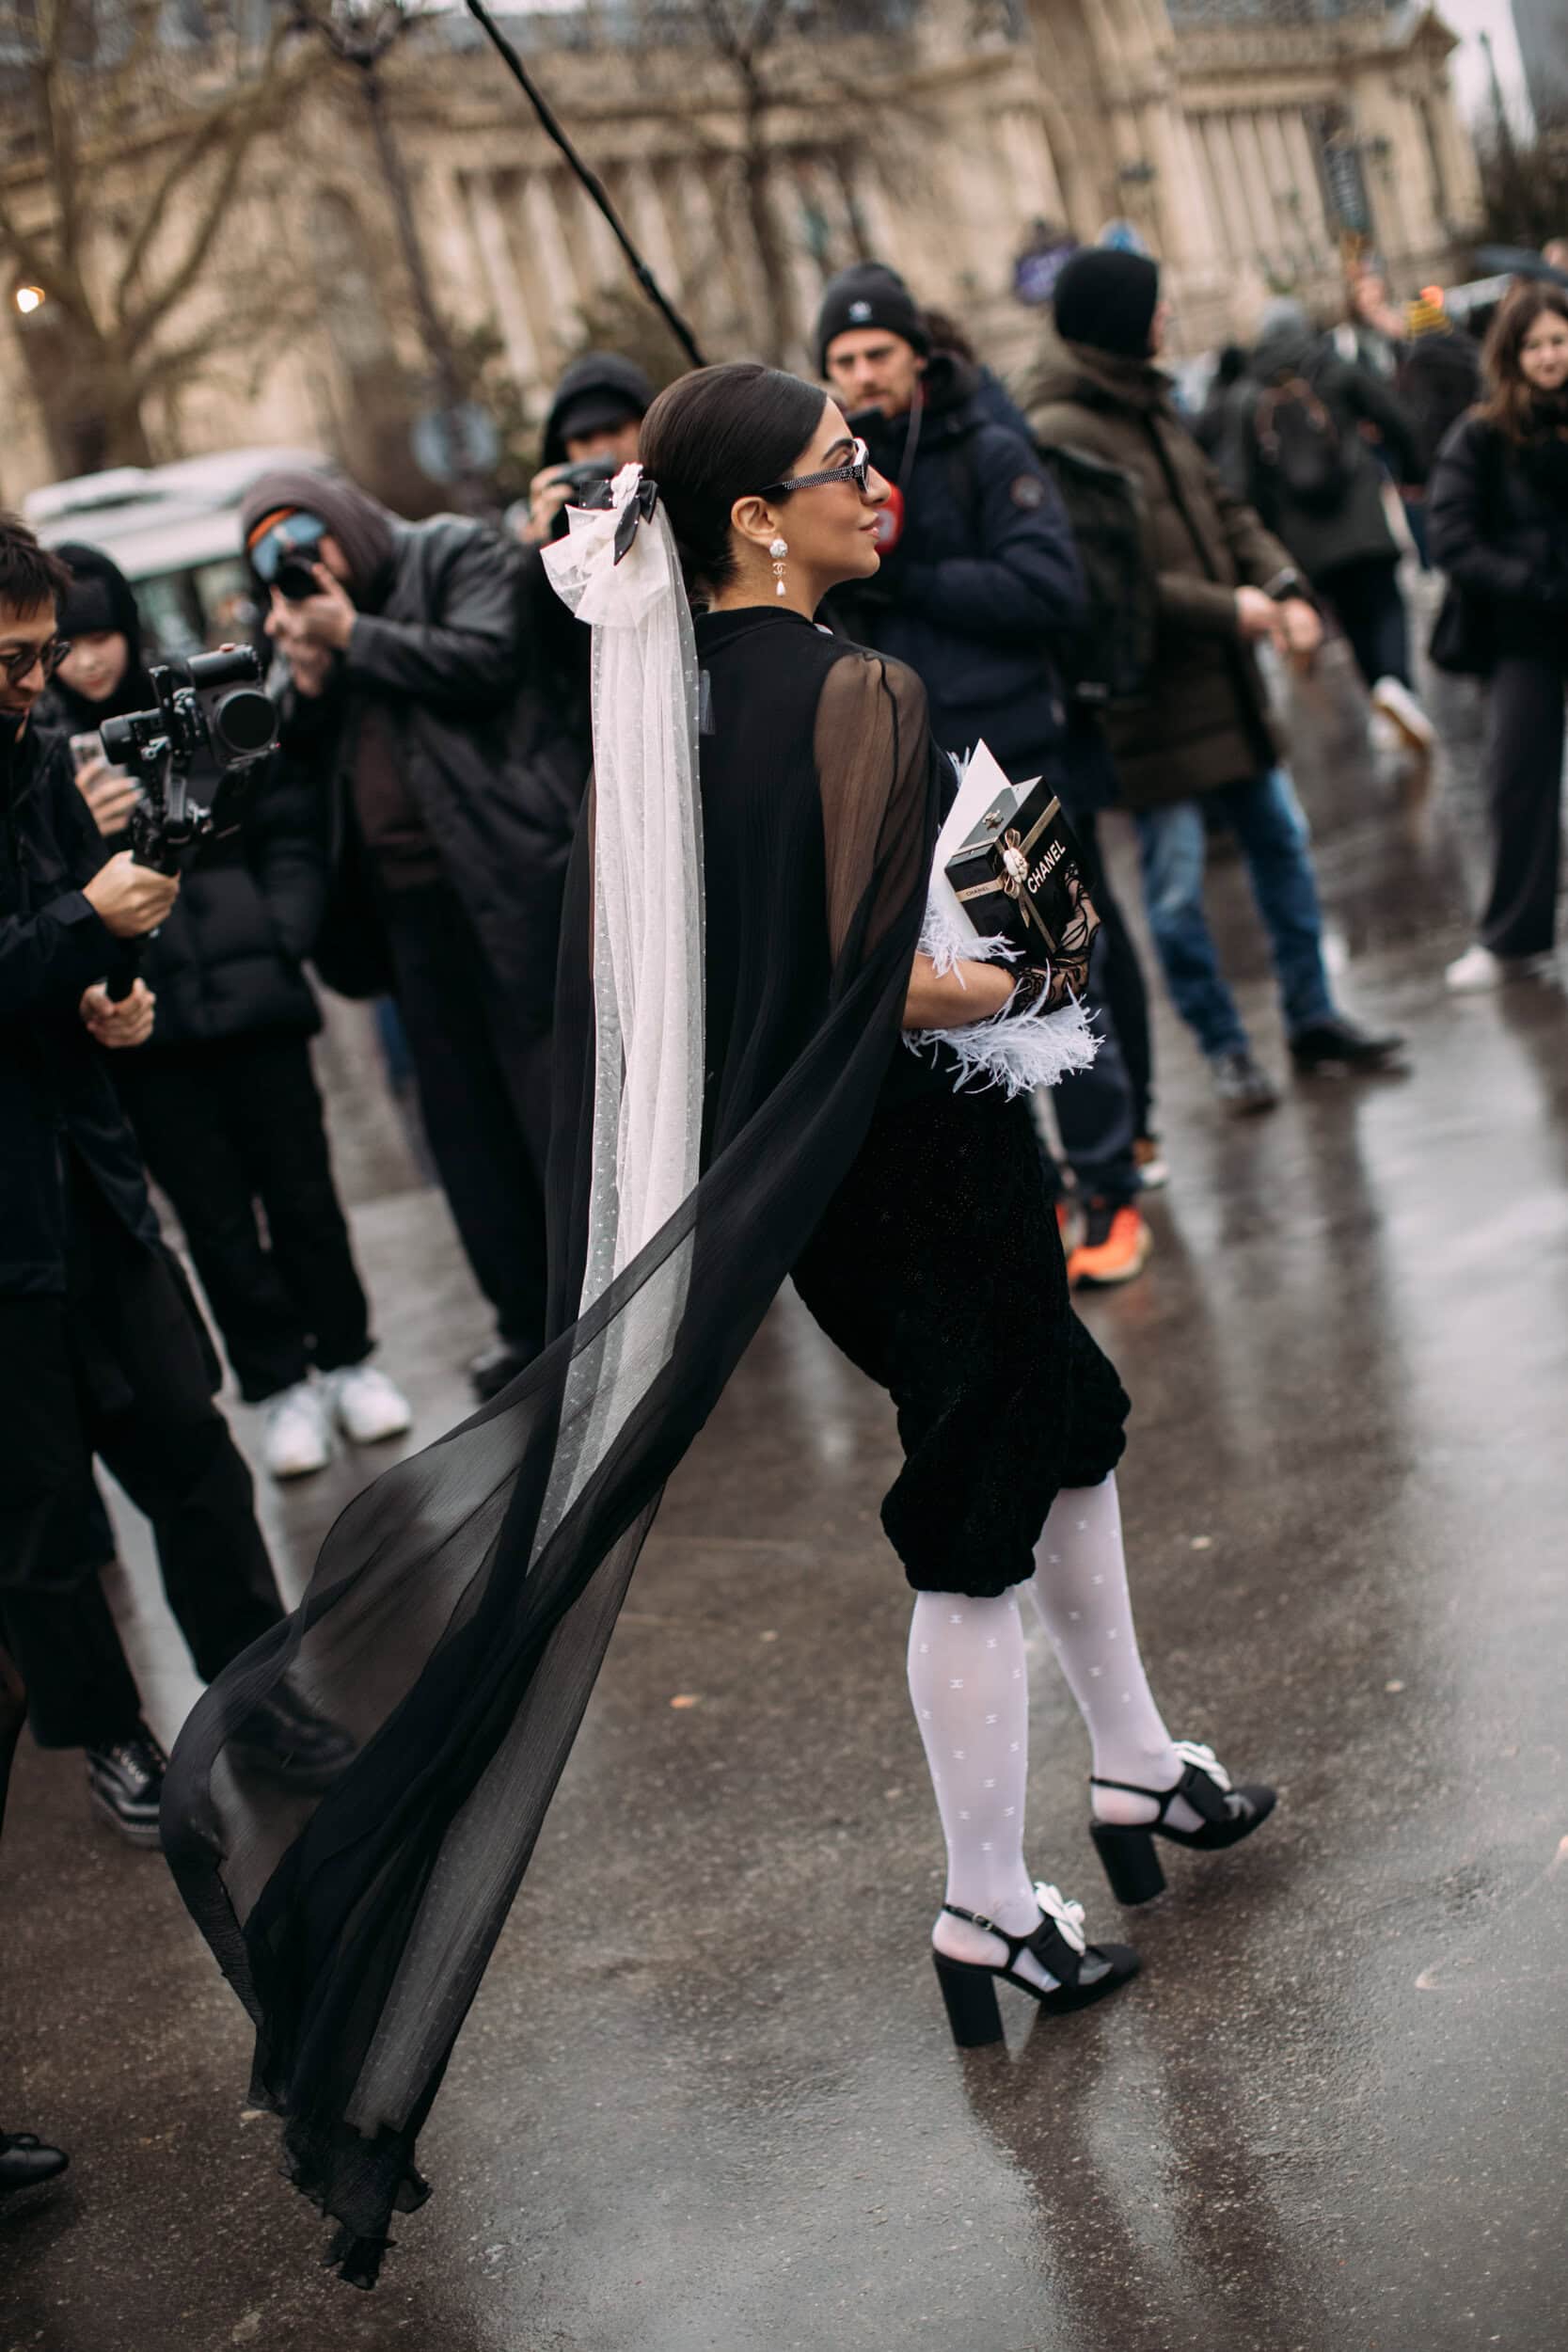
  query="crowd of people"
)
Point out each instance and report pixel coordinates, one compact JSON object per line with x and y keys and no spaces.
{"x":1081,"y":576}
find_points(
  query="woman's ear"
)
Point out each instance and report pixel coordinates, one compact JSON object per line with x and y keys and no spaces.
{"x":753,"y":518}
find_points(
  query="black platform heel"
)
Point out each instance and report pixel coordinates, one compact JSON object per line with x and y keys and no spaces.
{"x":1084,"y":1972}
{"x":1227,"y":1815}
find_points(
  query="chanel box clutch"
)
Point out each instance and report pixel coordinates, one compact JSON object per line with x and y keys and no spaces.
{"x":1019,"y":872}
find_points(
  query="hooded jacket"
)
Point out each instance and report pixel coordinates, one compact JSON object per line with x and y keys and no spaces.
{"x":228,"y":961}
{"x":1355,"y":529}
{"x":439,"y":652}
{"x":595,"y":371}
{"x":1204,"y":722}
{"x":54,"y":1083}
{"x":983,"y":578}
{"x":558,"y":647}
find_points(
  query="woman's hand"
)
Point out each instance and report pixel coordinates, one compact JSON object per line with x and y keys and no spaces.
{"x":109,"y":793}
{"x":956,"y":999}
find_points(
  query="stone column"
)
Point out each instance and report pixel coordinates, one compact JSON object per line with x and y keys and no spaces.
{"x":649,"y":227}
{"x":557,"y":277}
{"x":489,"y":233}
{"x":1188,"y":233}
{"x":1028,"y":167}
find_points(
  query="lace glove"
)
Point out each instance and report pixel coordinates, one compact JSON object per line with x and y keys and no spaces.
{"x":1047,"y":987}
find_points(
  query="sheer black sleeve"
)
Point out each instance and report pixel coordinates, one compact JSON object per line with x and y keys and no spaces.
{"x":875,"y":759}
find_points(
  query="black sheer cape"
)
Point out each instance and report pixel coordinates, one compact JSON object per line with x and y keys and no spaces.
{"x":461,"y":1606}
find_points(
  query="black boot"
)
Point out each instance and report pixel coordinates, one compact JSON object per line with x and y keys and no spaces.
{"x":289,"y":1742}
{"x":1243,"y":1084}
{"x":27,"y":2162}
{"x":125,"y":1785}
{"x":1338,"y":1044}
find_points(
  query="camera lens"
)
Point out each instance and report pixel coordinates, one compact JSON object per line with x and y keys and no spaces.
{"x":243,"y":721}
{"x":237,"y":665}
{"x":119,"y":739}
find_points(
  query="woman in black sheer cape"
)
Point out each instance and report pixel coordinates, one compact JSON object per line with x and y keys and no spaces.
{"x":461,"y":1606}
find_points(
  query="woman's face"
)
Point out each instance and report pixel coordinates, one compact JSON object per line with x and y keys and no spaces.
{"x":832,"y":529}
{"x":1544,"y":353}
{"x":95,"y":664}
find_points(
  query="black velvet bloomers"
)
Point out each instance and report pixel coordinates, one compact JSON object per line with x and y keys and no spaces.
{"x":938,"y":1270}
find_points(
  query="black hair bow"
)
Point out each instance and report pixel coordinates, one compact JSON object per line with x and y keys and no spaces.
{"x":638,"y":509}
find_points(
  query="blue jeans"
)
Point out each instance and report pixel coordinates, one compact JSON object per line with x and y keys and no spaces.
{"x":1268,"y":821}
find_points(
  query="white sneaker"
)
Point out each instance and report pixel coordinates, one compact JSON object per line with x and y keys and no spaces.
{"x":1478,"y":969}
{"x":369,"y":1406}
{"x":1396,"y":702}
{"x":297,"y":1439}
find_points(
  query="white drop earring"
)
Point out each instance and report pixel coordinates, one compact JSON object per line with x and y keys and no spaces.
{"x":778,"y":551}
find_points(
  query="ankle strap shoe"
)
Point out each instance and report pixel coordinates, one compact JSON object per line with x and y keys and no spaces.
{"x":1226,"y":1815}
{"x":1084,"y":1972}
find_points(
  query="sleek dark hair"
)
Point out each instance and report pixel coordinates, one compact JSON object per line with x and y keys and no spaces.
{"x":1509,"y":403}
{"x":29,"y":575}
{"x":712,"y":437}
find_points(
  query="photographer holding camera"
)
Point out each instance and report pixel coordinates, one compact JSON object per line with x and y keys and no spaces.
{"x":411,"y":711}
{"x":102,"y":1351}
{"x":223,"y":1097}
{"x":591,"y":432}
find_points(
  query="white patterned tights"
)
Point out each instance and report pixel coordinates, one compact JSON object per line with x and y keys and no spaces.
{"x":969,"y":1682}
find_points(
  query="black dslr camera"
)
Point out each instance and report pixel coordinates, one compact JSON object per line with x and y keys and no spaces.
{"x":582,"y":480}
{"x":212,"y":704}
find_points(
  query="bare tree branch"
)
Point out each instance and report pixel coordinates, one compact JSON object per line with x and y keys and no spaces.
{"x":236,"y":118}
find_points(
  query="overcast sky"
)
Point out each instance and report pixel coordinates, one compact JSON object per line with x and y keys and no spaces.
{"x":1470,"y":18}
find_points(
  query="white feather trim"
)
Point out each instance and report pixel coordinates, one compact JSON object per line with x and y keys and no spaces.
{"x":949,"y":938}
{"x":1018,"y":1051}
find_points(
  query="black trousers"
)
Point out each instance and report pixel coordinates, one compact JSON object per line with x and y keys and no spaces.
{"x":1369,"y":604}
{"x":485,"y":1101}
{"x":225,"y":1127}
{"x":119,"y":1370}
{"x":1118,"y":980}
{"x":1524,"y":780}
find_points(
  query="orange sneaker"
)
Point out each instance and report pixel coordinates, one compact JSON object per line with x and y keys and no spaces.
{"x":1115,"y":1247}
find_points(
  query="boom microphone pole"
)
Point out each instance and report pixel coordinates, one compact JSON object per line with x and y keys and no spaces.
{"x":589,"y":178}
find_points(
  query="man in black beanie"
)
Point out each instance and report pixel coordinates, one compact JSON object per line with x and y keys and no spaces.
{"x":979,"y":579}
{"x":1198,"y":737}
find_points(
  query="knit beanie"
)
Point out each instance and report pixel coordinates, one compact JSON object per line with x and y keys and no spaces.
{"x":100,"y":598}
{"x":362,"y":528}
{"x":868,"y":294}
{"x":1108,"y":300}
{"x":1426,"y":314}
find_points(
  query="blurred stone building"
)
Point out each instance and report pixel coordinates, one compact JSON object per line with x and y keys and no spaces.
{"x":1250,"y":143}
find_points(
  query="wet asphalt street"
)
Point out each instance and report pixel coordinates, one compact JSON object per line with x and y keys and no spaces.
{"x":706,"y":2098}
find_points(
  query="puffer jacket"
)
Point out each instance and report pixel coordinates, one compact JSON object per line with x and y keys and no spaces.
{"x":229,"y":959}
{"x":983,"y":578}
{"x":1497,"y":520}
{"x":1204,"y":723}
